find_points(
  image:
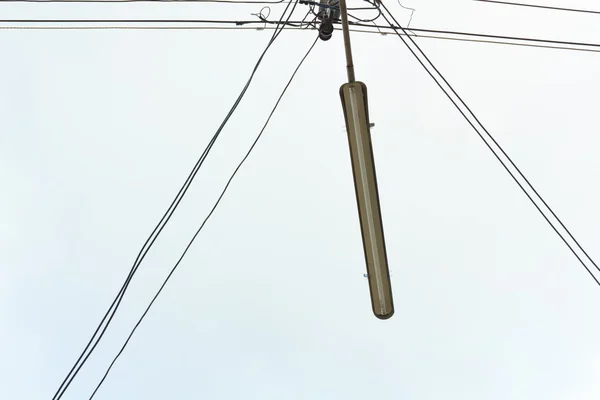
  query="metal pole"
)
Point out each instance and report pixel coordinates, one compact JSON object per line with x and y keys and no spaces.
{"x":346,"y":30}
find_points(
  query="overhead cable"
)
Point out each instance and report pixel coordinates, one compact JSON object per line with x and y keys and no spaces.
{"x":472,"y":119}
{"x":540,"y":6}
{"x":110,"y":313}
{"x":151,"y":1}
{"x":381,"y":29}
{"x":205,"y":219}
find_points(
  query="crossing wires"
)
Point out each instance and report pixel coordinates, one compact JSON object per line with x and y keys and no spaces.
{"x":301,"y":25}
{"x":505,"y":160}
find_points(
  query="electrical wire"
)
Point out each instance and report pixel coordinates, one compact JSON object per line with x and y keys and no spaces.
{"x":179,"y":1}
{"x":500,"y":37}
{"x":206,"y":218}
{"x":555,"y":47}
{"x":141,"y":21}
{"x":321,"y":5}
{"x":151,"y":1}
{"x":372,"y":2}
{"x":493,"y":140}
{"x":435,"y":34}
{"x":539,"y":6}
{"x":304,"y":24}
{"x":158,"y":229}
{"x":307,"y":2}
{"x":264,"y":19}
{"x":261,"y":20}
{"x":313,"y":4}
{"x":241,"y":25}
{"x":393,"y":28}
{"x":412,"y":13}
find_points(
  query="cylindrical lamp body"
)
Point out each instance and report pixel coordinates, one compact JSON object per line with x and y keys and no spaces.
{"x":354,"y":102}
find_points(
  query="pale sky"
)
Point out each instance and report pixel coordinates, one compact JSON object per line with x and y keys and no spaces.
{"x":99,"y":128}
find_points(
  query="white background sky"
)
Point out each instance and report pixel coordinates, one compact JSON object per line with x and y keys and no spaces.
{"x":98,"y":130}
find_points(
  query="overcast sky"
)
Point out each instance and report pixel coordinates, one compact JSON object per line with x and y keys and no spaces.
{"x":99,"y":128}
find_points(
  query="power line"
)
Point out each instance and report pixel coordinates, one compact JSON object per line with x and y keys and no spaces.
{"x":182,"y":1}
{"x":144,"y":21}
{"x":492,"y":39}
{"x":205,"y":219}
{"x":243,"y":25}
{"x":393,"y":28}
{"x":540,"y":6}
{"x":93,"y":342}
{"x":506,"y":43}
{"x":150,"y":1}
{"x":493,"y":140}
{"x":500,"y":37}
{"x":172,"y":28}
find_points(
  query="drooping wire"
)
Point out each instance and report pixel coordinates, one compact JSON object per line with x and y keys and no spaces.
{"x":412,"y":12}
{"x":262,"y":16}
{"x":102,"y":326}
{"x":405,"y":38}
{"x":205,"y":219}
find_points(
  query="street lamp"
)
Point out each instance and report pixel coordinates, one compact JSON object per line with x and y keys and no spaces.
{"x":354,"y":103}
{"x":356,"y":114}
